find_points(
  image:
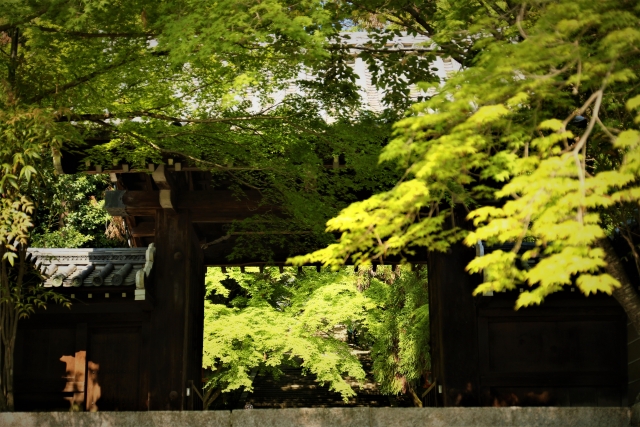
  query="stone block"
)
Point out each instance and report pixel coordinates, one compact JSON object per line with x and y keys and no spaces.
{"x":116,"y":419}
{"x":336,"y":417}
{"x":307,"y":417}
{"x":485,"y":417}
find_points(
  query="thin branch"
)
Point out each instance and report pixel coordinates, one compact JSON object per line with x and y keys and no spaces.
{"x":184,"y":95}
{"x":582,"y":146}
{"x":415,"y":14}
{"x":577,"y":86}
{"x":494,"y":6}
{"x":395,"y":19}
{"x":80,"y":80}
{"x":399,"y":49}
{"x":242,"y":181}
{"x":606,"y":130}
{"x":162,"y":150}
{"x":579,"y":111}
{"x":134,"y":114}
{"x":506,"y":14}
{"x":216,"y":241}
{"x":554,"y":72}
{"x":519,"y":19}
{"x":96,"y":35}
{"x":594,"y":115}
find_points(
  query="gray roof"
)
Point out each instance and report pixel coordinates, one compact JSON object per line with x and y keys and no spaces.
{"x":362,"y":38}
{"x":372,"y":97}
{"x":93,"y":266}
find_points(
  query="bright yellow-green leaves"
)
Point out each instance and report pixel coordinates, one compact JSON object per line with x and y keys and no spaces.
{"x":26,"y":136}
{"x":15,"y":222}
{"x":534,"y":139}
{"x":373,"y":228}
{"x":288,"y":318}
{"x":282,"y":318}
{"x":557,"y":210}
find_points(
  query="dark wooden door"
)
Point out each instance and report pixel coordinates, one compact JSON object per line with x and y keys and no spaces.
{"x":40,"y":374}
{"x":113,"y":365}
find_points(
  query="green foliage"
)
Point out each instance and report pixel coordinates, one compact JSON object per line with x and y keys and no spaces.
{"x":66,"y":237}
{"x":70,"y":213}
{"x":499,"y":138}
{"x":263,"y":321}
{"x":26,"y":134}
{"x":399,"y":328}
{"x":130,"y":73}
{"x":281,"y":319}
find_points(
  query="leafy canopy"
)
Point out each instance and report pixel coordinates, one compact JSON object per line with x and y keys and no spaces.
{"x":502,"y":139}
{"x":259,"y":322}
{"x":197,"y":80}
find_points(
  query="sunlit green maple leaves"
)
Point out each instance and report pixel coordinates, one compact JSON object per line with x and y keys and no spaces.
{"x":260,"y":322}
{"x":282,"y":318}
{"x":499,"y":140}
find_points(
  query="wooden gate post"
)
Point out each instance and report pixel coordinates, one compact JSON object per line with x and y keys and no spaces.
{"x":454,"y":341}
{"x":175,"y":332}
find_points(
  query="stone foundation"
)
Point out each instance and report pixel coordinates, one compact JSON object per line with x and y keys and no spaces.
{"x":338,"y":417}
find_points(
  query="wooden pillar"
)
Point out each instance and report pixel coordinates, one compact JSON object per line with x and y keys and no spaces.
{"x":454,"y":329}
{"x":175,"y":330}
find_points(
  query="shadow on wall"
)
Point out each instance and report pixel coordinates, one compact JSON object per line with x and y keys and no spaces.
{"x":75,"y":386}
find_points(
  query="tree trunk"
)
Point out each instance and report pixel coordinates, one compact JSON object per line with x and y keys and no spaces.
{"x":9,"y":315}
{"x":3,"y":399}
{"x":8,"y":361}
{"x":626,"y":295}
{"x":5,"y":300}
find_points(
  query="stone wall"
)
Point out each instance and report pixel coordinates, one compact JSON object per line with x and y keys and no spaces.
{"x":338,"y":417}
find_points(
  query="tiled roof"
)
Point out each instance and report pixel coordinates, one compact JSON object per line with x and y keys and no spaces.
{"x":371,"y":96}
{"x":362,"y":38}
{"x":94,"y":267}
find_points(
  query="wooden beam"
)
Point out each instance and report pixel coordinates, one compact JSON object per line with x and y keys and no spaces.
{"x":206,"y":206}
{"x":161,"y":178}
{"x":167,"y":196}
{"x":144,"y":229}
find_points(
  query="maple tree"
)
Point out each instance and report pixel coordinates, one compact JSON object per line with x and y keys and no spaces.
{"x":536,"y":137}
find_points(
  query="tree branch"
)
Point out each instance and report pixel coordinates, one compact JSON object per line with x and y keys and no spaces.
{"x":95,"y":35}
{"x":13,"y":58}
{"x":134,"y":114}
{"x":415,"y":14}
{"x":399,"y":49}
{"x":80,"y":80}
{"x":519,"y":20}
